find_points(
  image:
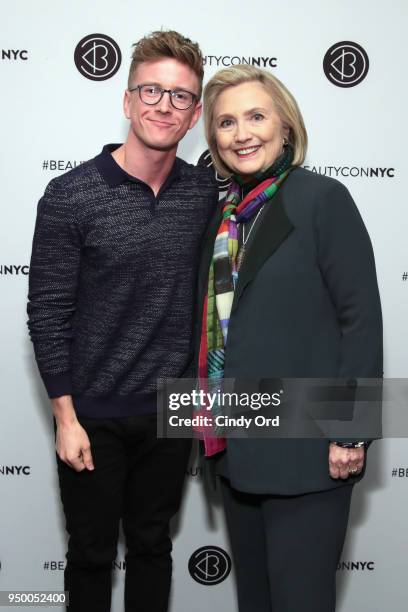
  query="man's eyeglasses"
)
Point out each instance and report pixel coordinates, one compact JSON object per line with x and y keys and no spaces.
{"x":152,"y":94}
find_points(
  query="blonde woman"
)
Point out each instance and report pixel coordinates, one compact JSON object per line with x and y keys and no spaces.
{"x":293,"y":289}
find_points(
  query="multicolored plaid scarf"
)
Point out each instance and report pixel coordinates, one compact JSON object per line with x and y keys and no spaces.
{"x":223,"y":273}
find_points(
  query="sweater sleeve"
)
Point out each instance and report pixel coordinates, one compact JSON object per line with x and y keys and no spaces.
{"x":53,"y":279}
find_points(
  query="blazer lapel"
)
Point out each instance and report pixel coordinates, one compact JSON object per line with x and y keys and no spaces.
{"x":274,"y":228}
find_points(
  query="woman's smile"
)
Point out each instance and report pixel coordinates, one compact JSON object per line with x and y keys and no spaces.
{"x":248,"y":151}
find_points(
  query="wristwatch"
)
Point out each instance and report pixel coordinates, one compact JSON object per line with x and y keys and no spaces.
{"x":349,"y":444}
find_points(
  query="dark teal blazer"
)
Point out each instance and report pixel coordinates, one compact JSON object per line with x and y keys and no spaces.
{"x":306,"y":305}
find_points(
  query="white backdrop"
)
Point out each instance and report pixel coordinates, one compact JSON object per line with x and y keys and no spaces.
{"x":50,"y":113}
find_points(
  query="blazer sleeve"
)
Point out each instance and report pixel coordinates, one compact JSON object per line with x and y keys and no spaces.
{"x":347,"y":265}
{"x":346,"y":261}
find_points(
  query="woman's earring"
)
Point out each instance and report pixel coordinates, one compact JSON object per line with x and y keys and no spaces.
{"x":285,"y":141}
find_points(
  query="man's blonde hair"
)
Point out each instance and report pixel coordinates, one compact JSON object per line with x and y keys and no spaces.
{"x":167,"y":43}
{"x":283,"y":101}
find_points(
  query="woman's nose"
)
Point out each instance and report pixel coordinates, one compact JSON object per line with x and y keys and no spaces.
{"x":242,"y":134}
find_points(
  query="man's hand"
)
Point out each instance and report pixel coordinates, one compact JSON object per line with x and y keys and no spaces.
{"x":345,"y":462}
{"x":72,"y":442}
{"x":73,"y":446}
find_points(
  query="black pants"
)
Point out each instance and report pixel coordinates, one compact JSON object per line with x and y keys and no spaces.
{"x":286,"y":549}
{"x":137,"y":478}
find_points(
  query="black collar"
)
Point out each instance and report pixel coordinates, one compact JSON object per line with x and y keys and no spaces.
{"x":114,"y":175}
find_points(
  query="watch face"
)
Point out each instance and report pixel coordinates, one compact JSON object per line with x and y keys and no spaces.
{"x":350,"y":444}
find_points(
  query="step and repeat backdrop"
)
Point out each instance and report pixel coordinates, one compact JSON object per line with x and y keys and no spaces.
{"x":63,"y":70}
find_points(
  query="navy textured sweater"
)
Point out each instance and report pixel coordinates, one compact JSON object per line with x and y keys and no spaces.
{"x":112,"y":283}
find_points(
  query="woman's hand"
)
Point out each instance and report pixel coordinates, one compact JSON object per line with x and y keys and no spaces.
{"x":345,"y":462}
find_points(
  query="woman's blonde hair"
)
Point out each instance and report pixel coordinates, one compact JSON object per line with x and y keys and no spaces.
{"x":283,"y":101}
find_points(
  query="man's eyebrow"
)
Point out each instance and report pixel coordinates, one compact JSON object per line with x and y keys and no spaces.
{"x":176,"y":88}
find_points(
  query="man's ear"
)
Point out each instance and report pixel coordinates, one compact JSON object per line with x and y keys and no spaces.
{"x":126,"y":103}
{"x":196,"y":115}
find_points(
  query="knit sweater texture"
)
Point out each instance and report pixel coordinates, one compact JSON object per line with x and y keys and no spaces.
{"x":112,"y":283}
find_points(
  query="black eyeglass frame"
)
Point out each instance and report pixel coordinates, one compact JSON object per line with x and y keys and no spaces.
{"x":171,"y":93}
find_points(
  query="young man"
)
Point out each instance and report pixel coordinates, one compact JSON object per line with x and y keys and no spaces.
{"x":112,"y":284}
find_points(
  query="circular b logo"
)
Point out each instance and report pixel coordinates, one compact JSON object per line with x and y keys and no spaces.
{"x":97,"y":57}
{"x":205,"y":160}
{"x":346,"y":64}
{"x":209,"y":565}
